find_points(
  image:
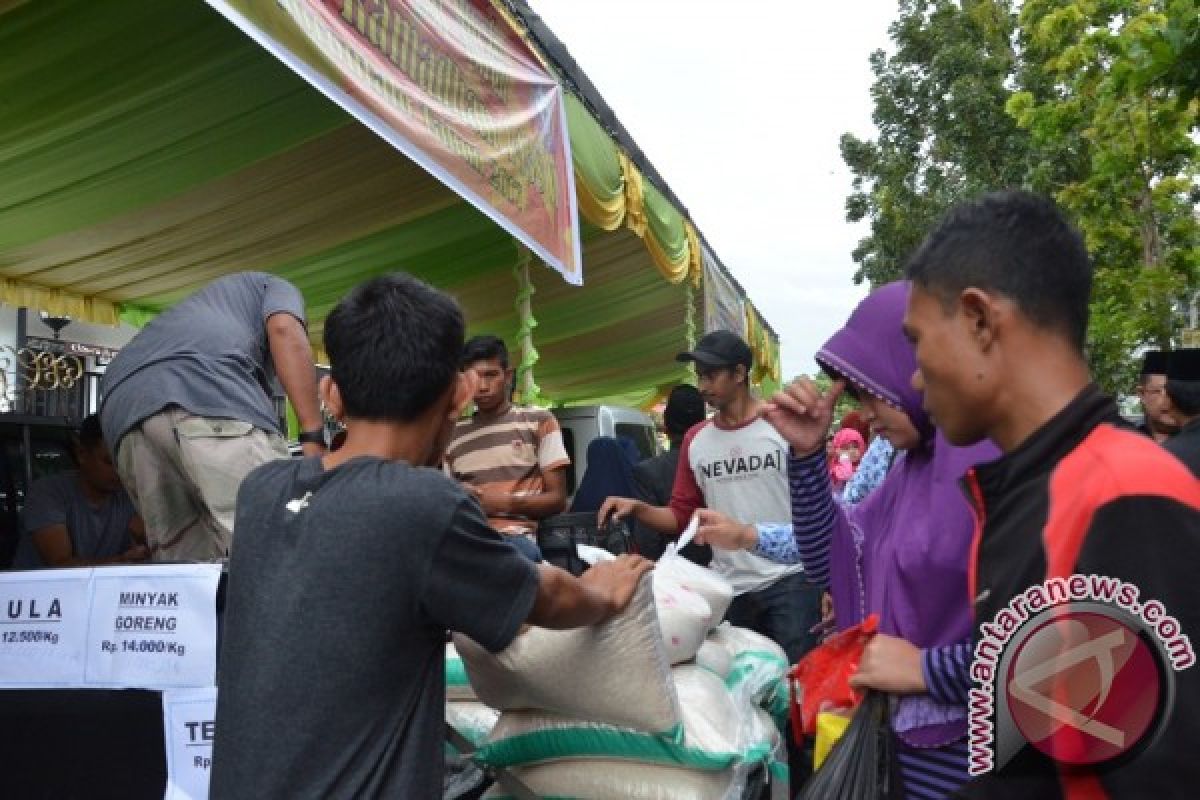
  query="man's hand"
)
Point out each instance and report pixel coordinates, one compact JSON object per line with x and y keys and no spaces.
{"x":495,"y":502}
{"x":618,"y":508}
{"x":724,"y":533}
{"x":890,"y":665}
{"x":617,"y":580}
{"x":802,"y":414}
{"x":134,"y":555}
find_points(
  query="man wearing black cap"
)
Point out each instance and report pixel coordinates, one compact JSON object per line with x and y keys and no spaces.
{"x":1151,"y":390}
{"x":736,"y":463}
{"x":1183,"y":404}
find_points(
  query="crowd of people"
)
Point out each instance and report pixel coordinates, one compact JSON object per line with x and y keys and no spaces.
{"x":981,"y":460}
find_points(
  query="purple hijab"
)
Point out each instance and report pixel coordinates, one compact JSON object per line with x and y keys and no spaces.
{"x":903,"y":552}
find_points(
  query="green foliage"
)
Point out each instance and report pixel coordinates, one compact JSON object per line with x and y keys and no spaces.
{"x":1091,"y":101}
{"x":943,"y":133}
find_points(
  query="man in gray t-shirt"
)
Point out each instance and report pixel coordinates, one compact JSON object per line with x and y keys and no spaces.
{"x":350,"y":569}
{"x":81,"y":517}
{"x":188,"y":407}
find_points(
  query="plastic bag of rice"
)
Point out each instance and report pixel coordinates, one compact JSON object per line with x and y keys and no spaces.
{"x":616,"y":672}
{"x":683,"y":616}
{"x":458,"y":686}
{"x":472,"y":719}
{"x":719,"y":732}
{"x":701,"y":580}
{"x":758,"y":668}
{"x":599,"y":779}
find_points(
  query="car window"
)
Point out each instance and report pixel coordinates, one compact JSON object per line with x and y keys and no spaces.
{"x":640,"y":435}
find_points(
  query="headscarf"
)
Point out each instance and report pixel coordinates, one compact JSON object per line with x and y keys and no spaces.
{"x":840,"y":472}
{"x":907,"y":553}
{"x":609,"y":474}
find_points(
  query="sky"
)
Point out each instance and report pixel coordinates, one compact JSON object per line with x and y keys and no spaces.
{"x":739,"y":105}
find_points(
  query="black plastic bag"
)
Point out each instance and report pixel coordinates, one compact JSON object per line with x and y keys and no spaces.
{"x":862,"y":764}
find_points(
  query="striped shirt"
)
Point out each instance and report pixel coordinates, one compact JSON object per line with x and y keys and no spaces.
{"x":507,"y":454}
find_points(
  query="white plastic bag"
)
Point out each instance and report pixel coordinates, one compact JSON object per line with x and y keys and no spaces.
{"x":683,"y":616}
{"x":701,"y":580}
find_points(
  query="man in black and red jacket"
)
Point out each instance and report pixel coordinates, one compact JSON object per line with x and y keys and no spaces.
{"x":998,"y":314}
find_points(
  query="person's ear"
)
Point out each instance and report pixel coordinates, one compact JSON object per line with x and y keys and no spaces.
{"x":331,"y":398}
{"x":741,"y":374}
{"x":984,"y":315}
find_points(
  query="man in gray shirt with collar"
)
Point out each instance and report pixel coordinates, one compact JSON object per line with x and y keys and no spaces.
{"x":189,"y":413}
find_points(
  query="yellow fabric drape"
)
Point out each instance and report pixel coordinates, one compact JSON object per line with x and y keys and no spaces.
{"x":58,"y":302}
{"x":635,"y":210}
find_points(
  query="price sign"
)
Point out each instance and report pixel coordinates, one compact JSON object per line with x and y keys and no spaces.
{"x":188,"y":716}
{"x":43,"y":626}
{"x":153,"y":626}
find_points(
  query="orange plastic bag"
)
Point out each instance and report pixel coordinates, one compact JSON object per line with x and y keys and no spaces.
{"x":821,"y":680}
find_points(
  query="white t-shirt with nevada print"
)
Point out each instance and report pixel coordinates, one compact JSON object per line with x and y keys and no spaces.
{"x":741,"y":472}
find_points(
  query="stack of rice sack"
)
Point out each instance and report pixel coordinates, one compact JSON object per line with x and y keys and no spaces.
{"x":626,"y":709}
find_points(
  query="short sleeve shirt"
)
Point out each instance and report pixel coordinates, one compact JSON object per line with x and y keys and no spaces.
{"x":508,"y":453}
{"x":341,"y":589}
{"x":208,"y":354}
{"x":100,"y":531}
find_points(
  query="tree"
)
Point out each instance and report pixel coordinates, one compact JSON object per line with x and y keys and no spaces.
{"x":943,"y":133}
{"x":1090,"y":101}
{"x":1084,"y":102}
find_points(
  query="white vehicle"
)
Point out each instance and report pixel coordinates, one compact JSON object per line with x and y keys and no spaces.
{"x":581,"y":424}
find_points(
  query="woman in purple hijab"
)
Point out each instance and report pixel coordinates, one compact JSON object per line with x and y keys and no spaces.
{"x":902,"y":553}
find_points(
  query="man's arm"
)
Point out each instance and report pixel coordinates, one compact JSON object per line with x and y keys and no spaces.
{"x":564,"y":601}
{"x":292,"y":356}
{"x":53,"y":544}
{"x":546,"y":503}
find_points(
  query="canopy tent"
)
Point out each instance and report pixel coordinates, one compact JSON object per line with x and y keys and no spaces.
{"x":151,"y":147}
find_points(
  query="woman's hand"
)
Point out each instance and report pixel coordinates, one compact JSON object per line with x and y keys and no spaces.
{"x":723,"y":533}
{"x":892,"y":665}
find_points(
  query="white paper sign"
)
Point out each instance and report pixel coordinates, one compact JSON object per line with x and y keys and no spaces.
{"x":188,"y":716}
{"x":153,"y":626}
{"x":43,"y":627}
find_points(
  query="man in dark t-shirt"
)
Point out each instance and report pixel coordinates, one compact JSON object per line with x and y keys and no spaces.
{"x":350,"y":569}
{"x":188,"y":407}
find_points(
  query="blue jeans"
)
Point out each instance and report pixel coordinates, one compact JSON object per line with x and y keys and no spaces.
{"x":526,"y":547}
{"x":784,"y":612}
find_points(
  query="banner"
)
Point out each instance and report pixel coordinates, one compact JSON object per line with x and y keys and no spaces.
{"x":188,"y":733}
{"x":723,"y":305}
{"x":138,"y":627}
{"x":452,"y":85}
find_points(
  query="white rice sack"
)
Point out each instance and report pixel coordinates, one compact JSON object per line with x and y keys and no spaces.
{"x":718,"y":733}
{"x":759,"y":668}
{"x":592,"y":779}
{"x":715,"y":658}
{"x":683,"y":616}
{"x":472,"y":719}
{"x":701,"y":580}
{"x":616,"y":672}
{"x":458,"y":686}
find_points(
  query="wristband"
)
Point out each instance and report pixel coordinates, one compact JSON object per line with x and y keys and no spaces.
{"x":312,"y":437}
